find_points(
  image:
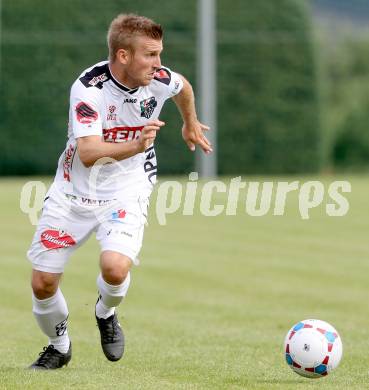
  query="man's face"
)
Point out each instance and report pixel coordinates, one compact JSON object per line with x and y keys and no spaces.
{"x":143,"y":61}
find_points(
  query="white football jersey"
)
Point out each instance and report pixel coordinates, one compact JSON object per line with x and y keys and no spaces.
{"x":100,"y":105}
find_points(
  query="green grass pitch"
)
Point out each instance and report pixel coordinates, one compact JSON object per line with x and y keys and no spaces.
{"x":210,"y":304}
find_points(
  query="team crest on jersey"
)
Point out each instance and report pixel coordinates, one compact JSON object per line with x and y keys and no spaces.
{"x":148,"y":107}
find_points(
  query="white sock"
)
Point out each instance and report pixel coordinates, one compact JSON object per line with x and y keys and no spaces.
{"x":110,"y":296}
{"x":52,"y":315}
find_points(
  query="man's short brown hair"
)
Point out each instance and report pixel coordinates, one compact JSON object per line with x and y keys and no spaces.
{"x":125,"y":27}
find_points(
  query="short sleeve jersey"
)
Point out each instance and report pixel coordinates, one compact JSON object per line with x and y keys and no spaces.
{"x":100,"y":105}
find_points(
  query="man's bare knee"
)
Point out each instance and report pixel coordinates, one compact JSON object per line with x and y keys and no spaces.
{"x":44,"y":284}
{"x":114,"y":267}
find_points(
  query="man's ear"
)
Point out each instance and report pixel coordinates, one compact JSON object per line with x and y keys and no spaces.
{"x":123,"y":56}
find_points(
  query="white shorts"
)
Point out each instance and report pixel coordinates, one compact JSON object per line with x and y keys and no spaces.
{"x":67,"y":222}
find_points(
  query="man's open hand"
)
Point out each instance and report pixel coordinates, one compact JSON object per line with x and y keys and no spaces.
{"x":193,"y":134}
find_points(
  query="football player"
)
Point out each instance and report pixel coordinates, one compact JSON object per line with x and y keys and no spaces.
{"x":104,"y":179}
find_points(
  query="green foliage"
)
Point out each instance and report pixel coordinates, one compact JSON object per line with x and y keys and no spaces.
{"x":351,"y":147}
{"x":45,"y":46}
{"x":268,"y":105}
{"x":345,"y":69}
{"x":269,"y":116}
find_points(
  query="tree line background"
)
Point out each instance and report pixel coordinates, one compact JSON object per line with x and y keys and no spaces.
{"x":292,"y":95}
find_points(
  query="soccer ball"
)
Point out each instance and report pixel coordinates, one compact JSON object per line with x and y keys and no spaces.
{"x":313,"y":348}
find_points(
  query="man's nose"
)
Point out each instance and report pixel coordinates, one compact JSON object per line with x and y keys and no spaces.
{"x":157,"y":63}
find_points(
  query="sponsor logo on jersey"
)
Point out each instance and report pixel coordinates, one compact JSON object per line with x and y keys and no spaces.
{"x":148,"y":107}
{"x":163,"y":75}
{"x":95,"y":201}
{"x":176,"y":86}
{"x":130,"y":100}
{"x":121,"y":133}
{"x":111,"y":116}
{"x":119,"y":214}
{"x":150,"y":166}
{"x":56,"y":239}
{"x":85,"y":113}
{"x":68,"y":161}
{"x":98,"y":79}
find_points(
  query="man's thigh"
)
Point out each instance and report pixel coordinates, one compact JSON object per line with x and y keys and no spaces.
{"x":60,"y":231}
{"x":122,"y":229}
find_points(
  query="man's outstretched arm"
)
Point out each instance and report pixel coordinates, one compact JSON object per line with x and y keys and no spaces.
{"x":192,"y":130}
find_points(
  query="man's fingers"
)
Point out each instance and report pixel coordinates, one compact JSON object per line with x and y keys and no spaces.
{"x":149,"y":134}
{"x":152,"y":127}
{"x":147,"y":129}
{"x":206,"y":141}
{"x":194,"y":136}
{"x":205,"y":146}
{"x":191,"y":146}
{"x":203,"y":142}
{"x":155,"y":122}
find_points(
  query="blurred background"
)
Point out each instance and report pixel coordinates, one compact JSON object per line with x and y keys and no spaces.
{"x":292,"y":81}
